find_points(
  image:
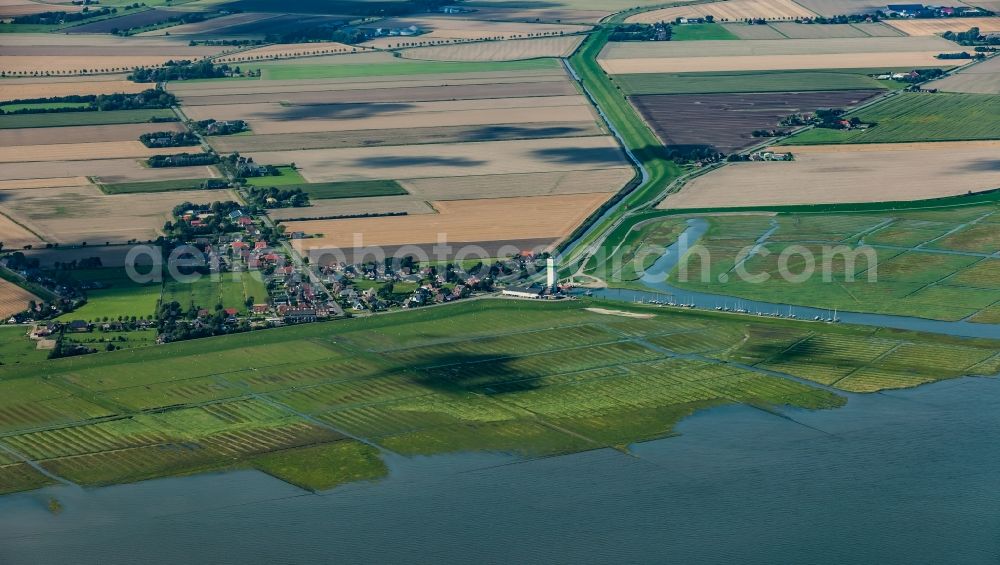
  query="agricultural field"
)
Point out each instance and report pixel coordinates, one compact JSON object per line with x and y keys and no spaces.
{"x":794,"y":30}
{"x":918,"y":272}
{"x":23,"y":89}
{"x":530,"y":379}
{"x":939,"y":26}
{"x":731,"y":11}
{"x":981,"y":78}
{"x":917,"y":117}
{"x":841,"y":7}
{"x":220,"y":26}
{"x":498,"y":50}
{"x":727,"y":121}
{"x":776,"y":54}
{"x":16,"y":347}
{"x":230,"y":290}
{"x":289,"y":51}
{"x":29,"y":53}
{"x":701,"y":32}
{"x":13,"y":299}
{"x":82,"y":135}
{"x":828,"y":174}
{"x":753,"y":81}
{"x":453,"y":30}
{"x":18,"y":121}
{"x":14,"y":235}
{"x":66,"y":215}
{"x":542,"y":219}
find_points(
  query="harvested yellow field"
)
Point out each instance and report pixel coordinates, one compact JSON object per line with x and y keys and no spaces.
{"x":226,"y":88}
{"x":13,"y":299}
{"x":355,"y":207}
{"x":538,"y":217}
{"x":498,"y":50}
{"x":765,"y":47}
{"x":451,"y":159}
{"x":530,"y":184}
{"x":941,"y":25}
{"x":108,"y":170}
{"x":774,"y":62}
{"x":82,"y":151}
{"x":448,"y":30}
{"x":43,"y":183}
{"x":824,"y":174}
{"x":731,"y":10}
{"x":48,"y":88}
{"x":288,"y":51}
{"x":74,"y":214}
{"x":31,"y":53}
{"x":13,"y":235}
{"x":269,"y":118}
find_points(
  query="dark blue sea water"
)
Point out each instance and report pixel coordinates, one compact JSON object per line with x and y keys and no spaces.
{"x":897,"y":477}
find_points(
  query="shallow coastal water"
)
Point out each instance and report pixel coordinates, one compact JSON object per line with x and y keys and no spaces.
{"x":907,"y":476}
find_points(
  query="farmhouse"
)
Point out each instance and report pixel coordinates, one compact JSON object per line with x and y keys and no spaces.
{"x":523,"y":291}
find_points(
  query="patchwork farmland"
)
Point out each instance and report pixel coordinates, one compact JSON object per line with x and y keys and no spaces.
{"x":726,"y":121}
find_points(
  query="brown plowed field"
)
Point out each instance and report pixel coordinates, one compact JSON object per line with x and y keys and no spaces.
{"x":14,"y":236}
{"x":513,"y":185}
{"x":941,"y":25}
{"x":726,"y":121}
{"x":109,"y":170}
{"x":80,"y":151}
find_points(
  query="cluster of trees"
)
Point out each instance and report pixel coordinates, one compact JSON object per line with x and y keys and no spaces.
{"x":169,"y":139}
{"x":688,"y":153}
{"x":215,"y":220}
{"x":273,"y":197}
{"x":833,"y":118}
{"x":322,"y":32}
{"x":228,"y":127}
{"x":923,"y":75}
{"x":972,"y":37}
{"x":180,"y":70}
{"x":147,"y":99}
{"x":227,"y":42}
{"x":769,"y":133}
{"x":641,"y":32}
{"x":961,"y":55}
{"x":56,"y":18}
{"x":878,"y":15}
{"x":182,"y":160}
{"x":176,"y":324}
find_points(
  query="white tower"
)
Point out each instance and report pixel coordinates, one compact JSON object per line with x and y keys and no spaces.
{"x":550,"y":279}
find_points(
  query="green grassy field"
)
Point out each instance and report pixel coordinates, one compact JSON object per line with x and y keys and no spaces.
{"x":42,"y":106}
{"x":353,"y":189}
{"x":752,"y":81}
{"x":918,"y":273}
{"x":287,"y":177}
{"x":227,"y":289}
{"x":121,"y":297}
{"x":521,"y":377}
{"x":298,"y":70}
{"x":16,"y":347}
{"x":695,"y":32}
{"x":82,"y":118}
{"x":152,"y":186}
{"x":917,"y":117}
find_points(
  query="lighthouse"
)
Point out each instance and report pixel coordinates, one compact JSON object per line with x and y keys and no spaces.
{"x":550,"y":275}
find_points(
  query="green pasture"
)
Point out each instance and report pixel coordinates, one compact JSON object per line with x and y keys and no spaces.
{"x":119,"y":298}
{"x":917,"y":117}
{"x":42,"y":106}
{"x":60,"y":119}
{"x":696,"y":32}
{"x":152,"y":186}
